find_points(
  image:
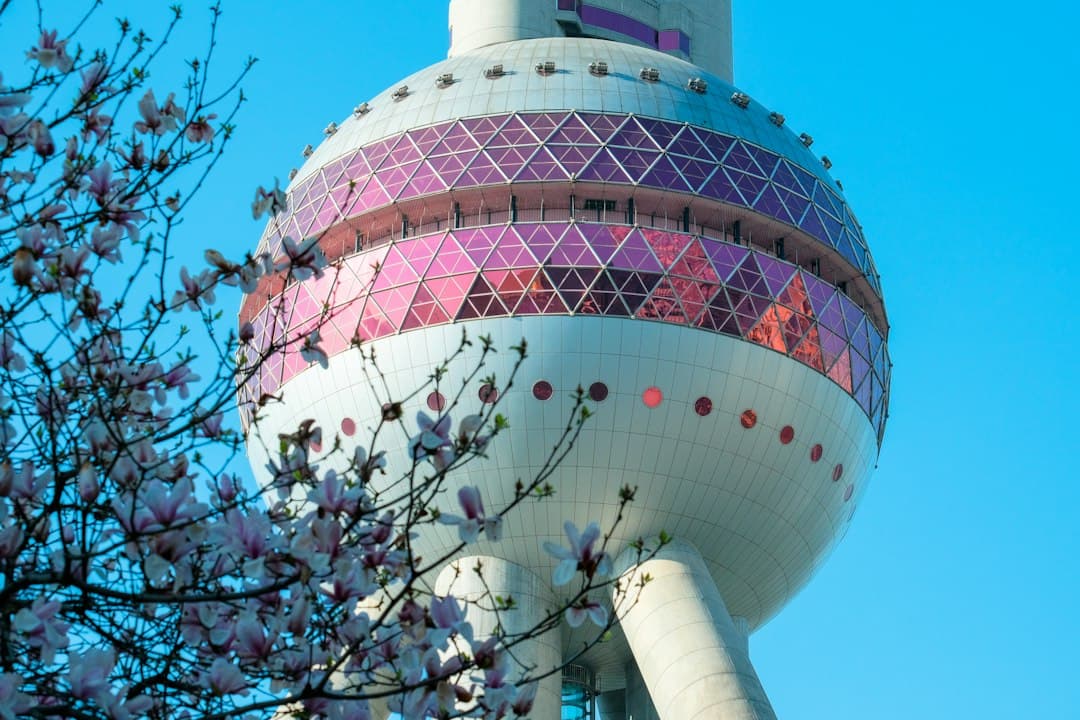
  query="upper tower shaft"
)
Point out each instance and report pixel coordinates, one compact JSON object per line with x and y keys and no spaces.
{"x":694,"y":30}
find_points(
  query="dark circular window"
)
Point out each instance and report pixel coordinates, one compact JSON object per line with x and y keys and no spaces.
{"x":598,"y":392}
{"x":815,"y":452}
{"x":748,"y":418}
{"x":436,"y":401}
{"x":542,"y":390}
{"x":488,"y":393}
{"x":837,"y":472}
{"x":703,"y":406}
{"x":787,"y":434}
{"x":849,"y":492}
{"x":348,"y":426}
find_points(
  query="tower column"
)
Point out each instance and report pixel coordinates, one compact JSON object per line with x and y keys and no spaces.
{"x":690,"y":652}
{"x":533,"y":601}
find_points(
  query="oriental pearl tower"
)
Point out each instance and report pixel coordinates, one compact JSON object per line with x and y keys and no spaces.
{"x":587,"y":176}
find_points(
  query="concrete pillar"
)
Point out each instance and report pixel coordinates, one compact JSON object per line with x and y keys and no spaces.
{"x":688,"y":649}
{"x":479,"y":23}
{"x":533,"y":602}
{"x":611,"y":705}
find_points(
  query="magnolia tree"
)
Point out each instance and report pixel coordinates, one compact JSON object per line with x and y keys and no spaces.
{"x":140,"y":576}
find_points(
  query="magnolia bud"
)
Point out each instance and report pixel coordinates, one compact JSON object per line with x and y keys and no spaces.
{"x":88,"y":483}
{"x":23,"y":267}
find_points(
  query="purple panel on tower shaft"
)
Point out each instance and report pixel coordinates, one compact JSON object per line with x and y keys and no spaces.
{"x":619,"y":23}
{"x":674,"y":40}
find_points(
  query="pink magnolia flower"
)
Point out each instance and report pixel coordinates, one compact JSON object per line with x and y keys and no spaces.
{"x":311,"y":352}
{"x":586,"y":608}
{"x":273,"y":201}
{"x":196,"y":290}
{"x":179,"y":377}
{"x":469,"y":527}
{"x":93,"y":75}
{"x":41,"y":139}
{"x":526,"y":696}
{"x":200,"y":130}
{"x":581,"y":555}
{"x":302,"y":260}
{"x":159,"y":121}
{"x":42,"y":628}
{"x":50,"y":52}
{"x":89,"y":673}
{"x":225,"y":678}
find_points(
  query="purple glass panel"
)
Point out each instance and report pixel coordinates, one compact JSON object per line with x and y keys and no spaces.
{"x":796,"y":204}
{"x":830,"y":317}
{"x":824,"y":198}
{"x":482,"y":171}
{"x":425,"y":181}
{"x":604,"y":168}
{"x":482,"y":301}
{"x":394,"y":179}
{"x":860,"y":342}
{"x":663,"y":305}
{"x":777,"y":274}
{"x":719,"y":145}
{"x":859,"y":371}
{"x":543,"y":124}
{"x":510,"y":160}
{"x":694,"y":263}
{"x":724,"y":256}
{"x":634,"y":287}
{"x":739,"y":158}
{"x":514,"y":132}
{"x":332,"y":171}
{"x":632,"y":135}
{"x":635,"y":162}
{"x":784,"y":178}
{"x":669,"y":40}
{"x":395,"y":268}
{"x":511,"y":252}
{"x":542,"y":166}
{"x":610,"y":20}
{"x":662,"y":132}
{"x":573,"y":132}
{"x":327,"y":215}
{"x":450,"y":291}
{"x":404,"y":152}
{"x":820,"y":292}
{"x":484,"y":128}
{"x":395,"y":303}
{"x":603,"y":126}
{"x":427,"y":138}
{"x":719,"y":186}
{"x":572,"y":250}
{"x":768,"y":203}
{"x":811,"y":223}
{"x":664,"y":175}
{"x":345,"y":194}
{"x":479,"y":242}
{"x":450,"y":260}
{"x":420,"y":251}
{"x":695,"y":172}
{"x":748,"y":309}
{"x":765,"y":160}
{"x":604,"y":239}
{"x":689,"y":144}
{"x":540,"y":238}
{"x":833,"y":228}
{"x":572,"y":283}
{"x":719,"y":317}
{"x":748,"y":277}
{"x":749,"y":186}
{"x":806,"y":180}
{"x":450,"y":167}
{"x":573,"y":158}
{"x":376,"y":152}
{"x":634,"y":254}
{"x":456,"y":140}
{"x":665,"y":245}
{"x":603,"y":299}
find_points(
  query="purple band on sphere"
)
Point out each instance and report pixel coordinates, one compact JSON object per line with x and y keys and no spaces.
{"x":579,"y":269}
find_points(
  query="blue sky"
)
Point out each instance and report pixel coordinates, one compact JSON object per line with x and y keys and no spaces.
{"x":952,"y":127}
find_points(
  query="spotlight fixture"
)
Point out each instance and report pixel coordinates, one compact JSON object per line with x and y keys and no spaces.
{"x":401,"y":93}
{"x":826,"y":162}
{"x":698,"y":85}
{"x":361,"y":109}
{"x":649,"y":73}
{"x":776,"y":119}
{"x":740,"y":99}
{"x":546,"y":68}
{"x":330,"y":129}
{"x":444,"y":81}
{"x":598,"y":68}
{"x":806,"y":139}
{"x":495,"y":71}
{"x":308,"y":150}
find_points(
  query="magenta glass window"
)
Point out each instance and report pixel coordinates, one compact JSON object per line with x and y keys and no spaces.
{"x":619,"y":23}
{"x":703,"y":406}
{"x":542,"y":390}
{"x":674,"y":40}
{"x":598,"y":392}
{"x":488,"y":393}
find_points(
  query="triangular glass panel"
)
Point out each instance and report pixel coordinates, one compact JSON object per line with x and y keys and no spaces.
{"x":820,"y":292}
{"x":748,"y":278}
{"x":833,"y":229}
{"x":840,"y":372}
{"x":720,"y":187}
{"x":859,"y":371}
{"x":573,"y":131}
{"x":783,"y":177}
{"x":450,"y":291}
{"x":542,"y":166}
{"x":451,"y":259}
{"x":739,"y":158}
{"x":603,"y":126}
{"x":333,"y":171}
{"x":860,"y":341}
{"x":832,"y":318}
{"x":328,"y":215}
{"x":420,"y":251}
{"x":719,"y":317}
{"x":635,"y":254}
{"x":862,"y":395}
{"x":539,"y":238}
{"x":356,"y":168}
{"x":484,"y":128}
{"x":794,"y":325}
{"x":479,"y":242}
{"x":395,"y":270}
{"x":667,"y":246}
{"x":572,"y":283}
{"x":394,"y":179}
{"x":688,"y":144}
{"x":795,"y":204}
{"x":660,"y":131}
{"x":811,"y":224}
{"x":777,"y":273}
{"x":376,"y":153}
{"x":695,"y":172}
{"x":604,"y":168}
{"x":663,"y":174}
{"x":806,"y":180}
{"x":572,"y":158}
{"x":511,"y":252}
{"x":404,"y":152}
{"x":450,"y":167}
{"x":768,"y":203}
{"x":373,"y":323}
{"x":514,"y":132}
{"x":456,"y":140}
{"x":540,"y":299}
{"x":749,"y":186}
{"x":718,"y":144}
{"x":511,"y":284}
{"x":427,"y":138}
{"x":604,"y":239}
{"x":572,"y":250}
{"x":767,"y":332}
{"x":725,"y":257}
{"x":425,"y":311}
{"x":482,"y":171}
{"x":482,"y":301}
{"x":632,"y":135}
{"x":543,"y":124}
{"x":634,"y":287}
{"x":636,"y":162}
{"x":876,"y":347}
{"x":853,"y":316}
{"x":765,"y":160}
{"x":795,"y":296}
{"x":808,"y":351}
{"x":826,"y":199}
{"x":510,"y":160}
{"x":603,"y":299}
{"x":694,"y":263}
{"x":832,"y":345}
{"x":692,"y":295}
{"x":663,"y":304}
{"x":395,"y":303}
{"x":748,"y":308}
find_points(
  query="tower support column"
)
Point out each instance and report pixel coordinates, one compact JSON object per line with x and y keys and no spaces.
{"x":690,"y":652}
{"x":533,"y":601}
